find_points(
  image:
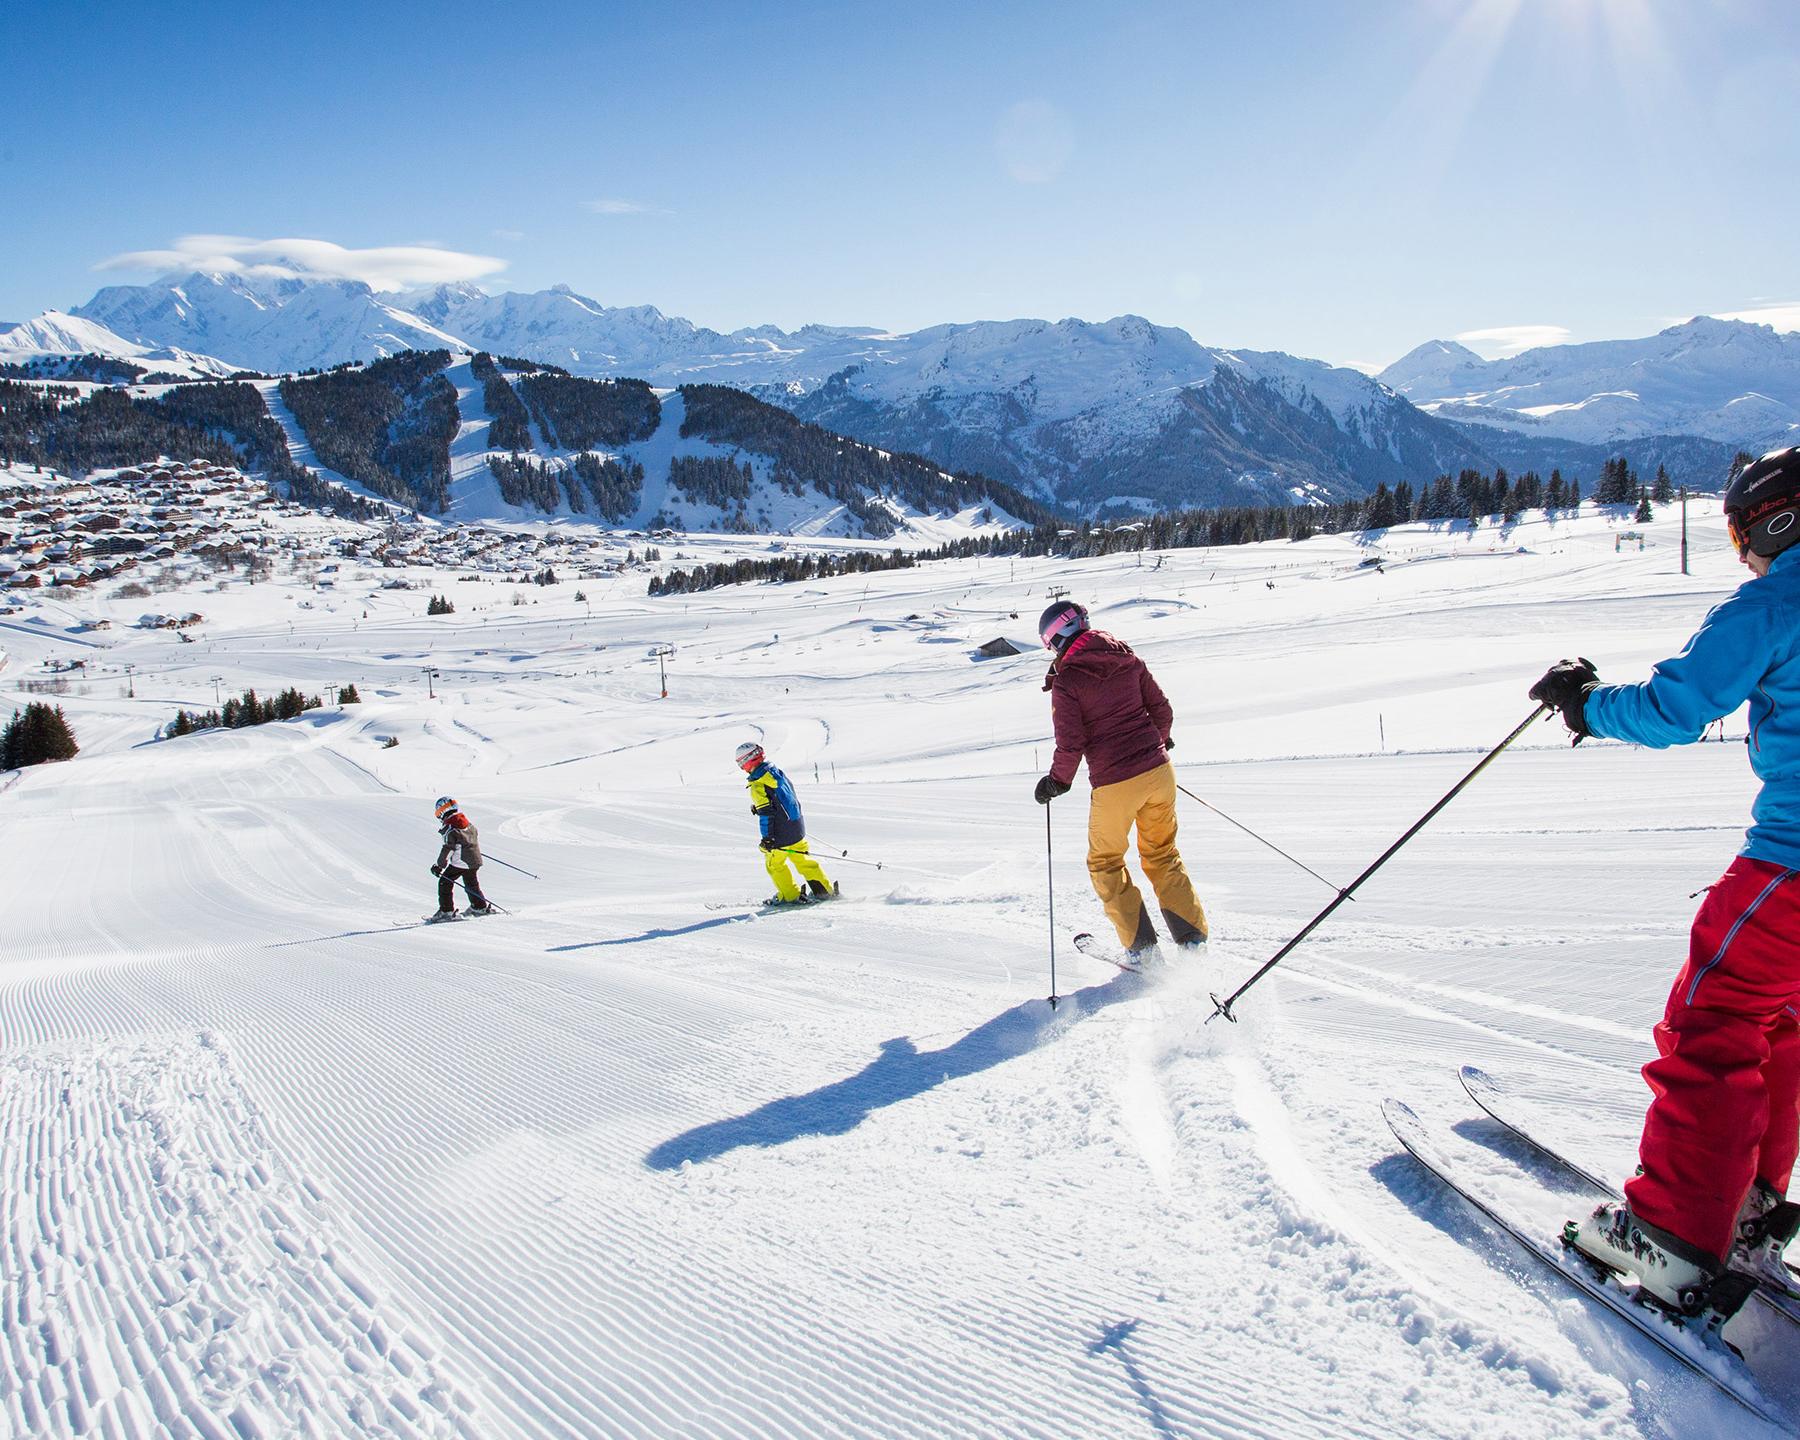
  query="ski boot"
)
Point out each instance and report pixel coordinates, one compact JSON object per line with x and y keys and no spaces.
{"x":817,"y":891}
{"x":1765,"y":1225}
{"x":440,"y":916}
{"x":1188,"y":937}
{"x":776,"y":902}
{"x":1674,"y":1275}
{"x":478,"y":910}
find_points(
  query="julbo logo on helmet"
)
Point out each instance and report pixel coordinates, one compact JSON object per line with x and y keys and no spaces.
{"x":1762,"y":504}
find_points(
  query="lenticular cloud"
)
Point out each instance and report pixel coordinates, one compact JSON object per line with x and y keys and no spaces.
{"x":385,"y":267}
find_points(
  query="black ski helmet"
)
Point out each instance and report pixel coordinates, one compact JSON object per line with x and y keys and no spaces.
{"x":1762,"y":505}
{"x":1060,"y":623}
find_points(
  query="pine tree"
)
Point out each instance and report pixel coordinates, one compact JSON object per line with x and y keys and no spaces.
{"x":1381,"y":512}
{"x":1644,"y":513}
{"x":1664,"y":491}
{"x":38,"y":735}
{"x":347,"y":695}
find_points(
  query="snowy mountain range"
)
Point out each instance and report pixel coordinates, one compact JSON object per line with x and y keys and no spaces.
{"x":1109,"y":417}
{"x":1724,"y":380}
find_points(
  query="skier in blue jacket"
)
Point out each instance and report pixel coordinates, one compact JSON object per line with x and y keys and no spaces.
{"x":1720,"y":1140}
{"x":777,"y":811}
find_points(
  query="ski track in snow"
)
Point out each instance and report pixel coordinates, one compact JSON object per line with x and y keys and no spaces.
{"x":625,"y":1164}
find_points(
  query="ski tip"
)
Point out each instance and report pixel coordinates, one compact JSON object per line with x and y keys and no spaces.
{"x":1399,"y":1110}
{"x":1408,"y":1129}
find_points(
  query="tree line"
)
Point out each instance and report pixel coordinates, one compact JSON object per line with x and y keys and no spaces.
{"x":387,"y":425}
{"x":612,"y":485}
{"x":787,"y":569}
{"x":245,"y":710}
{"x":510,"y":428}
{"x":856,"y":475}
{"x":578,"y":414}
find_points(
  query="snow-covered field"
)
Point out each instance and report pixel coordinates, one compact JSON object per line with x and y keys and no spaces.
{"x":640,"y":1161}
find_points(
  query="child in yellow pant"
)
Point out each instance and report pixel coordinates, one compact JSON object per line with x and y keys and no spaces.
{"x":777,"y":811}
{"x":786,"y":890}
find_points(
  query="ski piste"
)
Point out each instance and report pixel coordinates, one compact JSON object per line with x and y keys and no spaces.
{"x":1502,"y":1106}
{"x":1763,"y":1376}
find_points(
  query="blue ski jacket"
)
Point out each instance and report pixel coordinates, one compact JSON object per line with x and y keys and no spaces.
{"x":1748,"y":648}
{"x":776,"y":806}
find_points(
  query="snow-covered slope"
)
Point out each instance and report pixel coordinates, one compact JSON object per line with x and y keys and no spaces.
{"x":1725,"y":380}
{"x":56,"y":334}
{"x":636,"y":1160}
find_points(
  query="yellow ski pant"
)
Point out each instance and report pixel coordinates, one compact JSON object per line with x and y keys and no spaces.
{"x":777,"y":861}
{"x":1148,"y":802}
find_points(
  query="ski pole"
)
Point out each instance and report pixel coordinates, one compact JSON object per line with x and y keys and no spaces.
{"x":844,"y":855}
{"x":509,"y":865}
{"x":1223,"y":1007}
{"x":1254,"y":836}
{"x":1050,"y":885}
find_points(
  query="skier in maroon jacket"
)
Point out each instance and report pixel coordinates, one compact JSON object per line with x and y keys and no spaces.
{"x":1108,"y":708}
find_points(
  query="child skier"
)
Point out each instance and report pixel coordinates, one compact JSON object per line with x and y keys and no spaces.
{"x":1719,"y":1141}
{"x":777,"y":809}
{"x":458,"y":859}
{"x":1107,"y":707}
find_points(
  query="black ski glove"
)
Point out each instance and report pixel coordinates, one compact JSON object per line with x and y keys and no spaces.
{"x":1169,"y":744}
{"x":765,"y":843}
{"x":438,"y":870}
{"x":1564,"y":689}
{"x":1048,"y":789}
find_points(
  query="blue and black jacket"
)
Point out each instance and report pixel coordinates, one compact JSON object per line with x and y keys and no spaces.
{"x":776,"y":806}
{"x":1748,"y":648}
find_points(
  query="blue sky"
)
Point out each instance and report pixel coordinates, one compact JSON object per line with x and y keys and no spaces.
{"x":1336,"y":178}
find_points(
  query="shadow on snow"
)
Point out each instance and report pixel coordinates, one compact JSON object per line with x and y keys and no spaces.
{"x":679,"y":930}
{"x":900,"y":1072}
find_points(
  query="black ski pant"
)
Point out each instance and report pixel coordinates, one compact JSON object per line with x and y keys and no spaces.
{"x":447,"y":888}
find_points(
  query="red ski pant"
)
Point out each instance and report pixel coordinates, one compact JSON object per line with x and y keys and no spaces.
{"x":1725,"y":1107}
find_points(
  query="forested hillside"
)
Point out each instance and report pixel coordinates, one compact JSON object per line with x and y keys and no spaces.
{"x":855,"y":474}
{"x":387,"y":425}
{"x":225,"y":422}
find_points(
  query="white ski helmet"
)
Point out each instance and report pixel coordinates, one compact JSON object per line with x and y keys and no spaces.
{"x":749,"y":755}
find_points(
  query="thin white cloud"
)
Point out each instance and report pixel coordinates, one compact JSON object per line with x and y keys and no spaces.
{"x":1498,"y":342}
{"x":1034,"y":140}
{"x":1782,"y":314}
{"x":386,"y":267}
{"x":509,"y":234}
{"x":621,"y":207}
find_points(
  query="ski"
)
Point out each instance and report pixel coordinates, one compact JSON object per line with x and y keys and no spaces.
{"x":1096,"y":948}
{"x":777,"y":907}
{"x":1492,"y":1097}
{"x":1506,"y":1109}
{"x":1753,"y":1351}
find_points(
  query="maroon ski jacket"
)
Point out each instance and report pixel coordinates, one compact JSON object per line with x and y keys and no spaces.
{"x":1108,"y":707}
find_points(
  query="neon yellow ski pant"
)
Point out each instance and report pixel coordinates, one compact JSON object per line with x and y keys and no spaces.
{"x":777,"y":861}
